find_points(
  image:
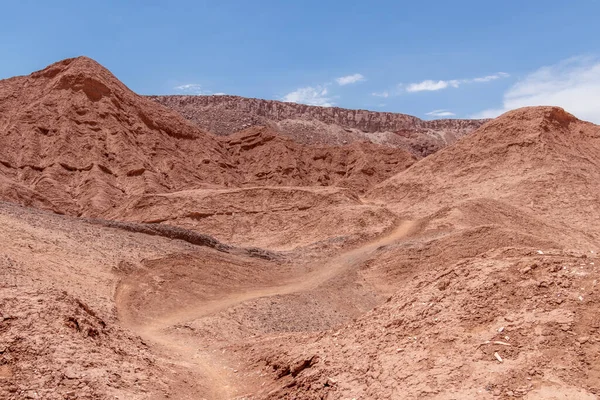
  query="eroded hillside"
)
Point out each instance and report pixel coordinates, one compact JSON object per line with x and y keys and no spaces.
{"x":144,"y":257}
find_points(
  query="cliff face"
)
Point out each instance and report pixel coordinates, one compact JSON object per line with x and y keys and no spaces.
{"x":224,"y":115}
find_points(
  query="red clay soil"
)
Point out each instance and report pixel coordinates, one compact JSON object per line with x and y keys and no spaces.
{"x":254,"y":267}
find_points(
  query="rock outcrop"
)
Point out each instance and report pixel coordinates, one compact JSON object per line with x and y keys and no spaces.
{"x":224,"y":115}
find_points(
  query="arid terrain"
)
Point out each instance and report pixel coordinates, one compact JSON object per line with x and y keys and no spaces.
{"x":223,"y":115}
{"x":216,"y":247}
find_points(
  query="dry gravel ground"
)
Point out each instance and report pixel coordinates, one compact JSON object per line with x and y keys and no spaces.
{"x":471,"y":273}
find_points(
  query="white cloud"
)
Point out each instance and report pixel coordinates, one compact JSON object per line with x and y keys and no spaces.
{"x":219,"y":94}
{"x":431,"y":85}
{"x":440,"y":113}
{"x":489,"y":78}
{"x":346,"y":80}
{"x":313,"y":96}
{"x":384,"y":94}
{"x":572,"y":84}
{"x":191,"y":88}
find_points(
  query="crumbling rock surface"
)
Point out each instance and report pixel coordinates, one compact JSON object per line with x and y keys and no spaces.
{"x":77,"y":141}
{"x":224,"y":115}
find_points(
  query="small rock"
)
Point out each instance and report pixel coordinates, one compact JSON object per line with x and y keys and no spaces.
{"x":71,"y":374}
{"x":301,"y":365}
{"x":442,"y":285}
{"x":583,"y":339}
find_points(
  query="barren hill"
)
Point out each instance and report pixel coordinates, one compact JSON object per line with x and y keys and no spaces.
{"x":78,"y":141}
{"x":541,"y":159}
{"x":224,"y":115}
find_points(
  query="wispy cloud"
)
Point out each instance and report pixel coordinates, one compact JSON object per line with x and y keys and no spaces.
{"x":191,"y":88}
{"x":311,"y":95}
{"x":573,"y":84}
{"x":319,"y":95}
{"x":349,"y":79}
{"x":489,"y":78}
{"x":441,"y":113}
{"x":384,"y":94}
{"x":433,"y":85}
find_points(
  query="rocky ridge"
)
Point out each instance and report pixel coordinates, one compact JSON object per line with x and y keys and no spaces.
{"x":224,"y":115}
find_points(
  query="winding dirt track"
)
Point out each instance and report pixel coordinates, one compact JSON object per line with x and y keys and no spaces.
{"x":220,"y":380}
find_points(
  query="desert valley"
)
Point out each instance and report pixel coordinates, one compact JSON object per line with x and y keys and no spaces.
{"x":221,"y":247}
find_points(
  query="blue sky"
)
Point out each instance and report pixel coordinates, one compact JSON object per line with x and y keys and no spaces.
{"x":429,"y":59}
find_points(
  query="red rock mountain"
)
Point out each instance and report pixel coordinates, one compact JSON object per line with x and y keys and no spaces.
{"x":76,"y":140}
{"x":320,"y":125}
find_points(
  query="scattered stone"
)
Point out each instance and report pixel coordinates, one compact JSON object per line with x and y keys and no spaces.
{"x":498,"y":357}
